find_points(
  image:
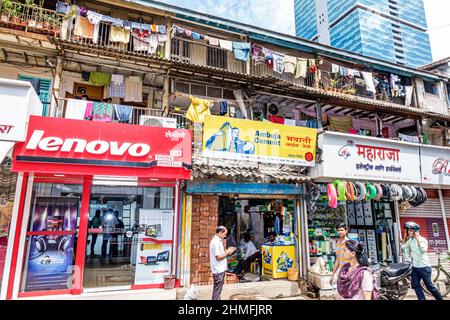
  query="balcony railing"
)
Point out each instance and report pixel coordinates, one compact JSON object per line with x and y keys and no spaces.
{"x":139,"y":115}
{"x":204,"y":55}
{"x":31,"y":18}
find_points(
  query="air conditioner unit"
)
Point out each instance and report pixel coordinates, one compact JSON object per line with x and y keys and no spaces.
{"x":158,"y":122}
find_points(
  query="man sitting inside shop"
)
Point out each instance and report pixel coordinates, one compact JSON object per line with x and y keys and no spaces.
{"x":251,"y":253}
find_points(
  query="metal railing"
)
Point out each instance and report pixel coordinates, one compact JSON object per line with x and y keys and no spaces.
{"x":204,"y":55}
{"x":31,"y":18}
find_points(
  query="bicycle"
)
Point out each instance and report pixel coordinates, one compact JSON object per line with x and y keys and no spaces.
{"x":439,"y":276}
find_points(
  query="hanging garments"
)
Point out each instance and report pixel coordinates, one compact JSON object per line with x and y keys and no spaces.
{"x":123,"y":113}
{"x":89,"y":110}
{"x":198,"y":109}
{"x":117,"y":86}
{"x":334,"y":68}
{"x":278,"y":63}
{"x":289,"y":64}
{"x":118,"y":34}
{"x":223,"y":108}
{"x":301,"y":69}
{"x":100,"y":78}
{"x":133,"y":89}
{"x":212,"y":41}
{"x":62,"y":7}
{"x":83,"y":28}
{"x":85,"y":75}
{"x":102,"y":112}
{"x":368,"y":79}
{"x":225,"y":44}
{"x":276,"y":119}
{"x":353,"y":73}
{"x":268,"y":57}
{"x":95,"y":19}
{"x":289,"y":122}
{"x":76,"y":109}
{"x":241,"y":51}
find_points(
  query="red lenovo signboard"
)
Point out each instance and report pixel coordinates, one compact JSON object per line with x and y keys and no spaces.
{"x":66,"y":146}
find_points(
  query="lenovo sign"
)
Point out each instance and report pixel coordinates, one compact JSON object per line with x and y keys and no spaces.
{"x":87,"y":147}
{"x":114,"y":148}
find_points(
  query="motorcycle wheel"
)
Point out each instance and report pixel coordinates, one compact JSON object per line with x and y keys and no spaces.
{"x":399,"y":292}
{"x":404,"y":286}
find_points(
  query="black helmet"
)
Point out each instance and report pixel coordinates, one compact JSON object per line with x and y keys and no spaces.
{"x":412,"y":225}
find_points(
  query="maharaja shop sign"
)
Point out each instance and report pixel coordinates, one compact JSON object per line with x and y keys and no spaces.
{"x":435,"y":162}
{"x":356,"y":157}
{"x":87,"y":147}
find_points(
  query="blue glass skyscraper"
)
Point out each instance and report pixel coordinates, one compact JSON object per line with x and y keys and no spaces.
{"x":392,"y":30}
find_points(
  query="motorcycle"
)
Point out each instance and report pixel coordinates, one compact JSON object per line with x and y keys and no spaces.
{"x":394,"y":279}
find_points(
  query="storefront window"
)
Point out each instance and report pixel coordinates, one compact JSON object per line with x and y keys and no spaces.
{"x":51,"y":237}
{"x":7,"y":190}
{"x":130,"y":236}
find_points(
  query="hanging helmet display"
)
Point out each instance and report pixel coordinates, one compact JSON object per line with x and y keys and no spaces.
{"x":350,"y":191}
{"x":371,"y":192}
{"x":386,"y":191}
{"x":360,"y":191}
{"x":340,"y":189}
{"x":332,"y":196}
{"x":379,"y":192}
{"x":406,"y":193}
{"x":395,"y":192}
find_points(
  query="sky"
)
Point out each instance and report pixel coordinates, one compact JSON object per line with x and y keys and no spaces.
{"x":278,"y":15}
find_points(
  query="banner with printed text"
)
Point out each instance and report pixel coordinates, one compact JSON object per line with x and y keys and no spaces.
{"x":237,"y":139}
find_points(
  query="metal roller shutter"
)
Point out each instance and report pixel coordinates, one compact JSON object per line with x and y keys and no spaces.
{"x":430,"y":209}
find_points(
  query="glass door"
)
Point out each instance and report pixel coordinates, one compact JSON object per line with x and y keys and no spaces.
{"x":51,"y":237}
{"x":130,"y":236}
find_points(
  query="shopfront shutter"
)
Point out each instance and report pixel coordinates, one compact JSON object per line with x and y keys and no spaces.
{"x":430,"y":209}
{"x":45,"y":91}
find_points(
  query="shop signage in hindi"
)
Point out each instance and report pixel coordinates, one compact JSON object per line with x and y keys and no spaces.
{"x":435,"y":162}
{"x":81,"y":147}
{"x":359,"y":157}
{"x":237,"y":139}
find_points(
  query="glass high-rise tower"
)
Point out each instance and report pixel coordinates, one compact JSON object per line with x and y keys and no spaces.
{"x":392,"y":30}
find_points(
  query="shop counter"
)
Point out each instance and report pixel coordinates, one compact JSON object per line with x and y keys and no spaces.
{"x":277,"y":259}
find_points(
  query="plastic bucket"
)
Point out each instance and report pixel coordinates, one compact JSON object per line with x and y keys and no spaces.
{"x":169,"y":282}
{"x":293,"y":274}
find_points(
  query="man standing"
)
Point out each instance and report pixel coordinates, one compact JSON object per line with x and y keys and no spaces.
{"x":342,"y":230}
{"x":421,"y":270}
{"x":218,"y":260}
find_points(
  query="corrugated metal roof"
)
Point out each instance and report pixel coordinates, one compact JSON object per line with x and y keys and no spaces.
{"x":248,"y":171}
{"x":435,"y":64}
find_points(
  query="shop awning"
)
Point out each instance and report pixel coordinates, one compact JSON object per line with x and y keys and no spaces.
{"x":246,"y":171}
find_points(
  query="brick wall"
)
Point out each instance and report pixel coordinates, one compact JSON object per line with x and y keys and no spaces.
{"x":205,"y":216}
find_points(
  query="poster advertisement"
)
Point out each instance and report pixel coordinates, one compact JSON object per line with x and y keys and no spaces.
{"x":436,"y":235}
{"x":154,"y":247}
{"x":372,"y":245}
{"x":267,"y":142}
{"x":359,"y":210}
{"x":351,"y":213}
{"x":51,"y":257}
{"x":368,"y":219}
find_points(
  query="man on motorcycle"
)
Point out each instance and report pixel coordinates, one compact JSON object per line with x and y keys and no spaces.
{"x":421,"y":270}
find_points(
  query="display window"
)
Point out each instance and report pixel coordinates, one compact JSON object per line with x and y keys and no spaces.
{"x":130,"y":236}
{"x":51,"y":237}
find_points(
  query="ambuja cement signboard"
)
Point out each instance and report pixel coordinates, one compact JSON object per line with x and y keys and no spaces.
{"x":351,"y":156}
{"x":435,"y":162}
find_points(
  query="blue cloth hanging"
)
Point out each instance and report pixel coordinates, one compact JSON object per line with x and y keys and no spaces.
{"x":241,"y":51}
{"x":223,"y":108}
{"x":123,"y":113}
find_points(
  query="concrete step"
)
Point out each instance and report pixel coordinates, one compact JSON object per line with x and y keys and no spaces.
{"x":261,"y":290}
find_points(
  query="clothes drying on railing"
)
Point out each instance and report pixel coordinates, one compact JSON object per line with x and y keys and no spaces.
{"x":123,"y":113}
{"x":76,"y":109}
{"x":117,"y":86}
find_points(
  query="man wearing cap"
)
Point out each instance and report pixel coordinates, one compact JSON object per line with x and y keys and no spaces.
{"x":421,"y":270}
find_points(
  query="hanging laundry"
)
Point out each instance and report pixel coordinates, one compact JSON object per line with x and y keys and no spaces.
{"x":289,"y":122}
{"x":141,"y":26}
{"x":188,"y":33}
{"x":148,"y":44}
{"x":268,"y":57}
{"x":89,"y":110}
{"x":162,"y":29}
{"x":212,"y":41}
{"x":225,"y":44}
{"x":127,"y":25}
{"x":368,"y":78}
{"x":334,"y":68}
{"x":133,"y":89}
{"x":241,"y":51}
{"x":278,"y":63}
{"x":353,"y":73}
{"x":62,"y":7}
{"x":154,"y":28}
{"x":100,"y":78}
{"x":276,"y":119}
{"x":95,"y":19}
{"x":120,"y":35}
{"x":301,"y":69}
{"x":85,"y":75}
{"x":114,"y":21}
{"x":257,"y":53}
{"x":404,"y":137}
{"x":408,"y":97}
{"x":83,"y":28}
{"x":223,"y":108}
{"x":196,"y":36}
{"x":198,"y":109}
{"x":289,"y":64}
{"x":76,"y":109}
{"x":301,"y":123}
{"x":123,"y":113}
{"x":82,"y":11}
{"x":117,"y":86}
{"x":343,"y":71}
{"x":102,"y":112}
